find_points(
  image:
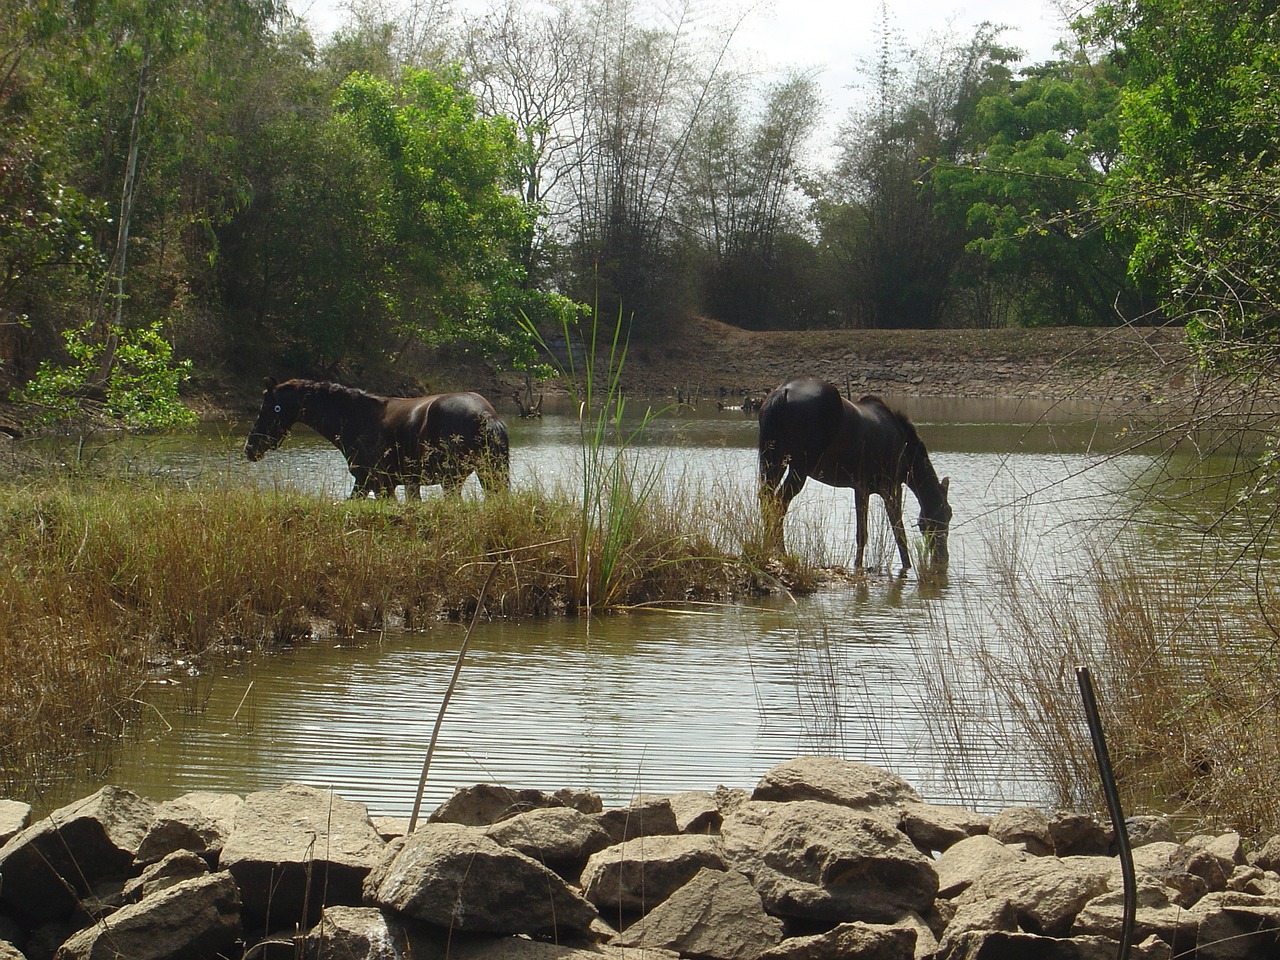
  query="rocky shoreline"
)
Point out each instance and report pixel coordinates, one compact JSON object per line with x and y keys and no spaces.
{"x":825,"y":858}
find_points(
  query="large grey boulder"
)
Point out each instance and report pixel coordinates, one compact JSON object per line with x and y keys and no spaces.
{"x":193,"y":920}
{"x":935,"y":827}
{"x":1234,"y":926}
{"x":636,"y":876}
{"x":14,"y":816}
{"x":1078,"y":834}
{"x":1023,"y":825}
{"x":822,"y":862}
{"x":963,"y":863}
{"x":1157,"y":915}
{"x":297,"y":850}
{"x":456,"y":877}
{"x":183,"y":825}
{"x":994,"y":945}
{"x":848,"y":941}
{"x":845,"y":783}
{"x":716,"y":915}
{"x":54,"y":863}
{"x":486,"y":803}
{"x":176,"y":868}
{"x":559,"y":837}
{"x":1044,"y":894}
{"x":645,"y":816}
{"x":344,"y":933}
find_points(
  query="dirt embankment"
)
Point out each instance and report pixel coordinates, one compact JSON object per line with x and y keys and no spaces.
{"x":710,"y":359}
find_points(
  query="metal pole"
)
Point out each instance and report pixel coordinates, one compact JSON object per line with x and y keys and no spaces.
{"x":1113,"y":807}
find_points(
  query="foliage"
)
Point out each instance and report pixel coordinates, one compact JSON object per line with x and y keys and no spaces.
{"x":1199,"y":182}
{"x":453,"y":224}
{"x":141,"y":389}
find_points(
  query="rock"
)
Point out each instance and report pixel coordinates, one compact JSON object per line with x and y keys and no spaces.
{"x":518,"y":948}
{"x":933,"y":827}
{"x":14,"y":817}
{"x":454,"y":876}
{"x":178,"y":825}
{"x":1267,"y":857}
{"x":487,"y":803}
{"x":296,"y":850}
{"x":1144,"y":829}
{"x":827,"y":863}
{"x":560,"y":838}
{"x":636,"y":876}
{"x":695,"y":811}
{"x":997,"y":945}
{"x":716,"y":915}
{"x":177,"y":867}
{"x":1157,"y":916}
{"x":190,"y":921}
{"x":969,"y":860}
{"x":391,"y":827}
{"x":1024,"y":825}
{"x":1046,"y":895}
{"x":366,"y":932}
{"x":845,"y":783}
{"x":9,"y":952}
{"x":644,"y":817}
{"x":848,"y":941}
{"x":1078,"y":834}
{"x":1233,"y":926}
{"x":49,"y":866}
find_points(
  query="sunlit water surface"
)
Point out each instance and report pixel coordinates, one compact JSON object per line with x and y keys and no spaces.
{"x":658,"y":701}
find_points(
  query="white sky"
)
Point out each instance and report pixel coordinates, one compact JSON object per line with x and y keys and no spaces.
{"x":834,"y":37}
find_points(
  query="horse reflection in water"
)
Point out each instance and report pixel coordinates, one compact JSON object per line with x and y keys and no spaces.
{"x":442,"y":438}
{"x":807,"y":429}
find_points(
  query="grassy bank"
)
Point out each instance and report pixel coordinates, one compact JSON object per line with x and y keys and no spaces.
{"x":107,"y":581}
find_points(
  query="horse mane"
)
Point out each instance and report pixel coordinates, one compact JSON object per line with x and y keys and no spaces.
{"x":330,"y":388}
{"x":920,"y":469}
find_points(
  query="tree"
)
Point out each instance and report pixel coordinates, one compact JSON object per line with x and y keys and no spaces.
{"x":453,"y":223}
{"x":1027,"y":191}
{"x":1199,"y":180}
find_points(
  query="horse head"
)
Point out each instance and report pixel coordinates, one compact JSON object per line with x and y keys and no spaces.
{"x":935,"y":523}
{"x":281,"y":405}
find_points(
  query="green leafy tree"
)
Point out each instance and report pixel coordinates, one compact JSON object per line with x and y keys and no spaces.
{"x":454,"y":223}
{"x":1199,"y":180}
{"x":1027,"y":190}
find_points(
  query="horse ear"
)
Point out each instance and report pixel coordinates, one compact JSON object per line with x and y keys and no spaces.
{"x":946,"y":485}
{"x":268,"y":384}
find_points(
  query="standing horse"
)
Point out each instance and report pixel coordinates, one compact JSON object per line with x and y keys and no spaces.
{"x":387,"y":441}
{"x":808,"y":430}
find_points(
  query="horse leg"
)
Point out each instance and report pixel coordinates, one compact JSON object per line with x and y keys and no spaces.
{"x":893,"y":504}
{"x":861,"y":508}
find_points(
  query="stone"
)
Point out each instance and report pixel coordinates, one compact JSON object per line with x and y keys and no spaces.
{"x":561,"y":838}
{"x":456,"y":877}
{"x":1046,"y":894}
{"x":1267,"y":856}
{"x":1146,"y":828}
{"x":635,"y":876}
{"x":486,"y":803}
{"x":180,"y":826}
{"x":1078,"y":834}
{"x":999,"y":945}
{"x":1024,"y":825}
{"x":14,"y":817}
{"x":846,"y":783}
{"x":1157,"y":916}
{"x":827,"y":863}
{"x":717,"y":914}
{"x":194,"y":920}
{"x":51,"y":865}
{"x":1234,"y":926}
{"x":695,"y":811}
{"x":934,"y":828}
{"x":296,"y":850}
{"x":366,"y":932}
{"x":643,"y":817}
{"x":969,"y":860}
{"x":848,"y":941}
{"x":177,"y":867}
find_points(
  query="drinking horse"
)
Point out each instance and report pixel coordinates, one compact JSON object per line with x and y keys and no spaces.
{"x":807,"y":429}
{"x":442,"y":438}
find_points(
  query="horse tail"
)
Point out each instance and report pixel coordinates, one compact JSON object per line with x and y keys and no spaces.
{"x":496,"y":450}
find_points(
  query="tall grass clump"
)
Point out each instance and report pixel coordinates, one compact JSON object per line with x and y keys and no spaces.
{"x":1186,"y":661}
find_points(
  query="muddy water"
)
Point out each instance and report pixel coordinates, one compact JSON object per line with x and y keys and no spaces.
{"x":656,"y":702}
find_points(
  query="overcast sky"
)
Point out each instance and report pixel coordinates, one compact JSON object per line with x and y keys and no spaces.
{"x":834,"y":37}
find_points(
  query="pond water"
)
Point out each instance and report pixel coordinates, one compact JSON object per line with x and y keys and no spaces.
{"x":650,"y":702}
